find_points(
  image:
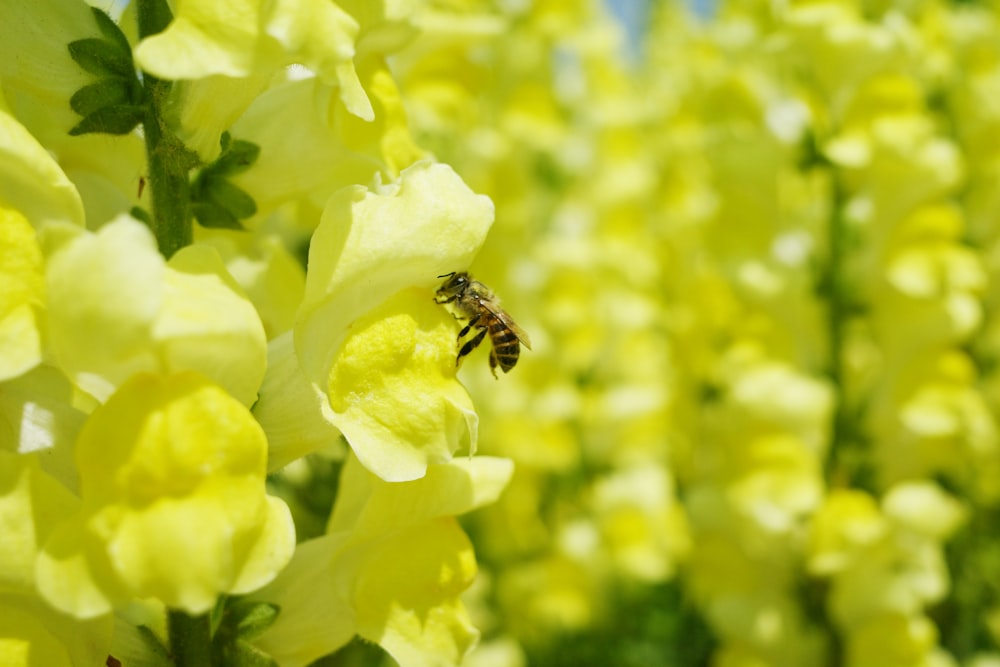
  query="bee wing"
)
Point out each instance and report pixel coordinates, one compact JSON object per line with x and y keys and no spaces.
{"x":502,"y":315}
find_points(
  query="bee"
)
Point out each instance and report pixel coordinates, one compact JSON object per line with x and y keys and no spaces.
{"x":475,"y":302}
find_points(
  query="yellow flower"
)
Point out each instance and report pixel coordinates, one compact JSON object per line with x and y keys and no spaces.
{"x":311,"y":147}
{"x":369,"y":335}
{"x":116,"y":308}
{"x":238,"y":39}
{"x":105,"y":170}
{"x":888,"y":559}
{"x":172,"y":483}
{"x":645,"y":528}
{"x":390,"y":568}
{"x":932,"y":420}
{"x":896,"y":639}
{"x":847,"y":521}
{"x":34,"y":634}
{"x":31,"y":505}
{"x":840,"y":48}
{"x":294,"y":413}
{"x":549,"y":595}
{"x":393,"y":389}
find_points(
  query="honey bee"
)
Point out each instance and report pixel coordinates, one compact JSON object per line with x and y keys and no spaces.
{"x":475,"y":301}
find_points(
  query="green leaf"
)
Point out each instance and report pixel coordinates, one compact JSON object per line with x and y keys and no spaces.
{"x":152,"y":642}
{"x":217,"y":614}
{"x":214,"y":216}
{"x":154,"y":17}
{"x":111,"y":31}
{"x":241,"y":654}
{"x":106,"y":92}
{"x":120,"y":119}
{"x":236,"y":158}
{"x":141,"y":214}
{"x":102,"y":57}
{"x":252,"y":618}
{"x":215,"y":201}
{"x":230,"y":197}
{"x":114,"y":103}
{"x":239,"y":621}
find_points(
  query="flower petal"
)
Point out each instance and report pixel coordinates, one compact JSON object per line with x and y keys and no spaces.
{"x":205,"y":38}
{"x":295,"y":414}
{"x":393,"y":388}
{"x":370,"y":244}
{"x":31,"y":181}
{"x":22,"y":289}
{"x":34,"y":633}
{"x":164,"y":455}
{"x":391,"y":568}
{"x":207,"y":324}
{"x":31,"y":503}
{"x":458,"y":486}
{"x":104,"y":292}
{"x":407,"y":594}
{"x":316,"y":618}
{"x":38,"y":416}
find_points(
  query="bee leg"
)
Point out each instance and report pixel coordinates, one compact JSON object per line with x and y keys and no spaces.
{"x":493,"y":362}
{"x":470,"y":345}
{"x":448,"y":300}
{"x":468,"y":327}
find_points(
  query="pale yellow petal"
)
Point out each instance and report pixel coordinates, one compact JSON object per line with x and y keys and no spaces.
{"x":295,"y":415}
{"x":207,"y":324}
{"x":31,"y":181}
{"x":393,"y":389}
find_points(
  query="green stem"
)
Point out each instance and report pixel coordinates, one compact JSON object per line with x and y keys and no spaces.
{"x":837,"y":465}
{"x":190,"y":639}
{"x":168,"y":160}
{"x":848,"y":461}
{"x":837,"y":309}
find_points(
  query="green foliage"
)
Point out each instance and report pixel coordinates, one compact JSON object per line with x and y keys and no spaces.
{"x":113,"y":104}
{"x":215,"y":201}
{"x":234,"y":623}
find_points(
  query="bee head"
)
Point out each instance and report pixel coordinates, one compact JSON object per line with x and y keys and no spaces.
{"x":455,"y":283}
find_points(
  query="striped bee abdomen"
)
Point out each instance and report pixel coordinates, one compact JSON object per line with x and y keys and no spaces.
{"x":506,"y":347}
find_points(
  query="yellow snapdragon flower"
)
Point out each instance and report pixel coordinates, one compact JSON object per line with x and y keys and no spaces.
{"x":173,"y":503}
{"x":390,"y":568}
{"x":884,"y":559}
{"x":369,"y":336}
